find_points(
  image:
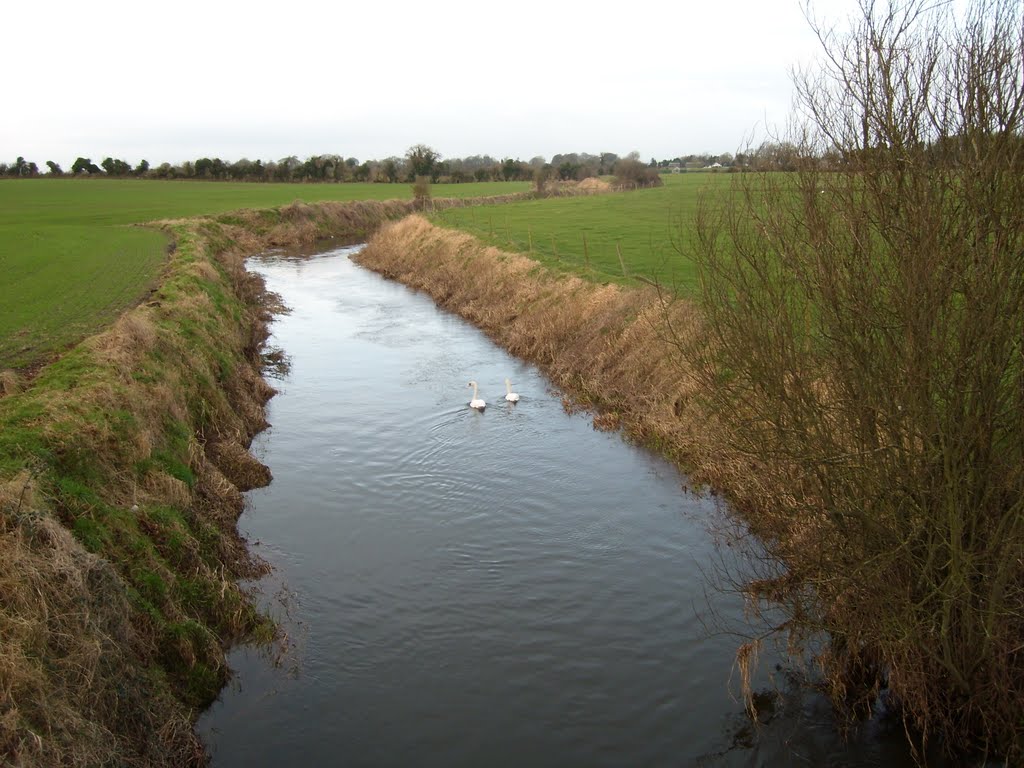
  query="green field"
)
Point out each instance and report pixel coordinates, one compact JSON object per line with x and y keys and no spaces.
{"x":71,"y":261}
{"x":646,"y":225}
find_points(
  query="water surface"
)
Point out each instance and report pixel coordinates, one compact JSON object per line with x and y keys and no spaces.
{"x":509,"y":587}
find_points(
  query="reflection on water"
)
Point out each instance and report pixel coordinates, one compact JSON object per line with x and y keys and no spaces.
{"x":504,"y":588}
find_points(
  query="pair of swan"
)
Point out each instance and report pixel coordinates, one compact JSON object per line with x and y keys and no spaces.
{"x":479,"y":404}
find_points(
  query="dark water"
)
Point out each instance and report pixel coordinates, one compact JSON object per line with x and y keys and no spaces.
{"x":500,"y":588}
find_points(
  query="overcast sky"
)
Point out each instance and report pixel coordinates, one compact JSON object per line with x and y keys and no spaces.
{"x":179,"y":80}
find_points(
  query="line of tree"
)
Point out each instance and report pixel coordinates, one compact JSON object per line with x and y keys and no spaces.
{"x":419,"y":161}
{"x":423,"y":161}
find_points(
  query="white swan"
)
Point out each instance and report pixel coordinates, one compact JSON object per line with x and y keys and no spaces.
{"x":476,"y":402}
{"x":511,"y":396}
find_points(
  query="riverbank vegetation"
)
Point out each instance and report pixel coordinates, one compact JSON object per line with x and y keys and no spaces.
{"x":120,"y":476}
{"x":867,"y":351}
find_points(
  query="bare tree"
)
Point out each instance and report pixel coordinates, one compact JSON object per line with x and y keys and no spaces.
{"x":865,"y":351}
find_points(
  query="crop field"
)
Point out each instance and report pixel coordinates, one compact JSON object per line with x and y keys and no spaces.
{"x":71,"y":258}
{"x":651,"y":228}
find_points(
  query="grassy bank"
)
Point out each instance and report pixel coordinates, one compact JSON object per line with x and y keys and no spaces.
{"x":121,"y":471}
{"x":72,"y":260}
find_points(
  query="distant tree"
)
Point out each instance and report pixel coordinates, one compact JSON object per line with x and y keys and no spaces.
{"x":608,"y":160}
{"x":313,"y":169}
{"x":389,"y":170}
{"x":115,"y":167}
{"x":204,"y":167}
{"x":481,"y":174}
{"x":362,"y":172}
{"x":515,"y":170}
{"x":284,"y":169}
{"x":776,"y":156}
{"x":55,"y":169}
{"x":541,"y":177}
{"x":421,"y":192}
{"x":142,"y":168}
{"x":421,"y":160}
{"x":22,"y":168}
{"x":630,"y":173}
{"x":85,"y":165}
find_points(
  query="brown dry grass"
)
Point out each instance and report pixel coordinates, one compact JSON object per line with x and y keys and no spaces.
{"x":106,"y":652}
{"x":132,"y":336}
{"x":67,"y":632}
{"x":594,"y":186}
{"x":613,"y":348}
{"x":9,"y":383}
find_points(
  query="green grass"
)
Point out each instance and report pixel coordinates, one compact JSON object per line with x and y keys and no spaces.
{"x":646,"y":225}
{"x":71,"y":260}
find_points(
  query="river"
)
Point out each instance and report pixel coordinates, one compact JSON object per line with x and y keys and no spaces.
{"x":463,"y":588}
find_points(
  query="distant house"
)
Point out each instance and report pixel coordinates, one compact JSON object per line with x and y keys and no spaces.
{"x":715,"y":165}
{"x":674,"y":168}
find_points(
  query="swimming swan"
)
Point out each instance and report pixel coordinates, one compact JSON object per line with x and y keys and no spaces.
{"x":476,"y":402}
{"x":511,"y":396}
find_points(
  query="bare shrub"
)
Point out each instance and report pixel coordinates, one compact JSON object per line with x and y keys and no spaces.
{"x":866,"y":327}
{"x":421,"y":192}
{"x":630,"y":173}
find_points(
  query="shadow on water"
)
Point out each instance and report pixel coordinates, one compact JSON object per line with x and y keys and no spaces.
{"x":508,"y":587}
